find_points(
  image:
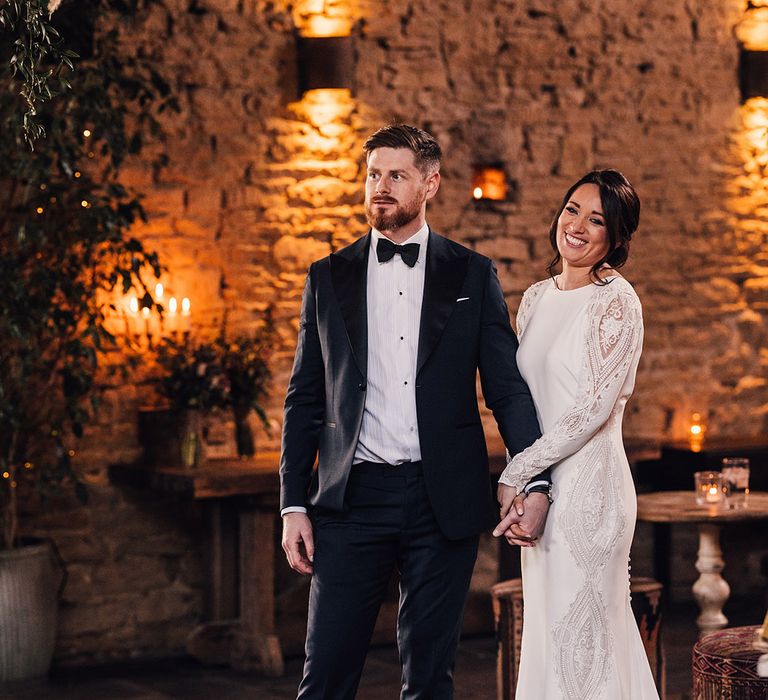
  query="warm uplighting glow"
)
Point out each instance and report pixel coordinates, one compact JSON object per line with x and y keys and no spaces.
{"x":133,"y":305}
{"x":173,"y":305}
{"x":186,"y":306}
{"x":752,"y":31}
{"x":323,"y":109}
{"x":322,"y":26}
{"x":755,"y":121}
{"x":159,"y":291}
{"x":489,"y":182}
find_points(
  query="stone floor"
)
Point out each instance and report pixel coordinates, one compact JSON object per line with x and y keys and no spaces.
{"x":183,"y":679}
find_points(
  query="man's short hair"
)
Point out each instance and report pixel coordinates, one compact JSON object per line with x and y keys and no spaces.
{"x":425,"y":148}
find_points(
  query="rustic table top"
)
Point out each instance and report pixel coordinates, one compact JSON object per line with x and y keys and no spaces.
{"x":681,"y":507}
{"x":217,"y":478}
{"x":222,"y":478}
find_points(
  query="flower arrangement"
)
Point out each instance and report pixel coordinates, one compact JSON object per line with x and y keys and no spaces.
{"x":223,"y":374}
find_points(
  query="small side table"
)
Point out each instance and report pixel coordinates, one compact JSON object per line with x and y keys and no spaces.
{"x":711,"y":590}
{"x":725,"y":666}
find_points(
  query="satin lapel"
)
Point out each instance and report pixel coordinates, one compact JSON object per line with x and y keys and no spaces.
{"x":348,"y":275}
{"x":442,"y":285}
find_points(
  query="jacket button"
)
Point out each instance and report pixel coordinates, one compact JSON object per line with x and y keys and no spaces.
{"x":361,"y":386}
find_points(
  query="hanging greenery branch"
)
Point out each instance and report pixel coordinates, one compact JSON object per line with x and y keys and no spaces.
{"x":37,"y":57}
{"x":67,"y":245}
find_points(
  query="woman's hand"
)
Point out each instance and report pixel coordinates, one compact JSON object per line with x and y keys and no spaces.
{"x":520,"y":526}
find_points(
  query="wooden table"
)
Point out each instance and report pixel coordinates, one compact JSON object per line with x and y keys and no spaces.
{"x":250,"y":641}
{"x":711,"y":590}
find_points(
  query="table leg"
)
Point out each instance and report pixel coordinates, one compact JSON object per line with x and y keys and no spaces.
{"x":259,"y":644}
{"x":710,"y":590}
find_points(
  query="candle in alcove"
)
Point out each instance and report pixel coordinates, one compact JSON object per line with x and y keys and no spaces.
{"x":696,"y":432}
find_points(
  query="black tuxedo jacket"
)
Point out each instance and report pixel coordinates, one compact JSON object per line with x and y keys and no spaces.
{"x":326,"y":394}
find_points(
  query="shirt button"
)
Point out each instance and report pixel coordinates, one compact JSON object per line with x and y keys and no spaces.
{"x":361,"y":386}
{"x":401,"y":337}
{"x":401,"y":294}
{"x":405,"y":382}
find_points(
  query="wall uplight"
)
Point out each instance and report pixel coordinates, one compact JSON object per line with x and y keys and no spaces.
{"x":325,"y":62}
{"x":752,"y":33}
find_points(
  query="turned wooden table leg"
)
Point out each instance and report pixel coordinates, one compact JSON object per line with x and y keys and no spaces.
{"x":259,"y":644}
{"x":711,"y":590}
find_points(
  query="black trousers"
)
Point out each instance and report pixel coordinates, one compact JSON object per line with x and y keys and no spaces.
{"x":387,"y":523}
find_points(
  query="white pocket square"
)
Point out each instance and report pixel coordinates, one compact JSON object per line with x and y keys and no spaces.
{"x":463,"y":299}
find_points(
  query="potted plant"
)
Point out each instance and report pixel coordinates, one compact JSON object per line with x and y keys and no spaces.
{"x":65,"y":253}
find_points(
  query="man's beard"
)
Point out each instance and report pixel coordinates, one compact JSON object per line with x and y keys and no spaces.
{"x":393,"y":220}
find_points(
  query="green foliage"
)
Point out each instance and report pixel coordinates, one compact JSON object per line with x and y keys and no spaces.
{"x":65,"y":243}
{"x":38,"y":58}
{"x":221,"y":374}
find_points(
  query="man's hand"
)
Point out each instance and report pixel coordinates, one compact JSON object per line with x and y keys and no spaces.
{"x":297,"y":533}
{"x":531,"y":525}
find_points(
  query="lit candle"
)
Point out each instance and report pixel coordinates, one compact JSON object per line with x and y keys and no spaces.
{"x":172,"y":306}
{"x":186,"y":313}
{"x":696,"y":432}
{"x":713,"y":494}
{"x":477,"y":193}
{"x":133,"y":305}
{"x":159,"y":291}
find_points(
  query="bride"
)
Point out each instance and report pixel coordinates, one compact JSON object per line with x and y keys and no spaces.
{"x":580,"y":338}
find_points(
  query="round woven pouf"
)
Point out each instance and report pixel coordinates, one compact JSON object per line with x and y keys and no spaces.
{"x":725,"y":666}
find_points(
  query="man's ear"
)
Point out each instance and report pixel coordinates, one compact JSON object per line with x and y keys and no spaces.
{"x":433,"y":184}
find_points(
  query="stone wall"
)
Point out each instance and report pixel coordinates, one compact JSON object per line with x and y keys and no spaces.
{"x":261,"y":183}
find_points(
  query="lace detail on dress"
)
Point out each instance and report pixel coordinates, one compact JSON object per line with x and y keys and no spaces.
{"x":530,"y":296}
{"x":614,"y":330}
{"x":592,"y":521}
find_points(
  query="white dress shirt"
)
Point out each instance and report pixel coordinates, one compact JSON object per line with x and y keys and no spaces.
{"x":390,"y":431}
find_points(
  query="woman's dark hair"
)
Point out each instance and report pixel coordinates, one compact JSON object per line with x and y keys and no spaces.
{"x":425,"y":148}
{"x":621,"y":212}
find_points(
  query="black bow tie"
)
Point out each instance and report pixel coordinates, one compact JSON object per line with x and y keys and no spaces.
{"x":385,"y":250}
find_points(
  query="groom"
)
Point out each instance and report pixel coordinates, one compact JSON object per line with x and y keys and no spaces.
{"x":393,"y":331}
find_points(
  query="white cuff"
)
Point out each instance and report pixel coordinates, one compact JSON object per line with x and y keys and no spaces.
{"x":292,"y":509}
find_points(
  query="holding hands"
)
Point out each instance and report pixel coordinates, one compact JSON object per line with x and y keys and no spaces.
{"x":522,"y":515}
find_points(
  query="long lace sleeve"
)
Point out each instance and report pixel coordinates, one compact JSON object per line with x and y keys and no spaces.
{"x":614,"y":332}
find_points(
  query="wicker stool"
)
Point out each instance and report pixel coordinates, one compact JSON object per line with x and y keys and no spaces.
{"x":725,"y":666}
{"x":507,"y":599}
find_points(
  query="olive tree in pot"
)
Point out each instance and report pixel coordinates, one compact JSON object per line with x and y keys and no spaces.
{"x":65,"y":253}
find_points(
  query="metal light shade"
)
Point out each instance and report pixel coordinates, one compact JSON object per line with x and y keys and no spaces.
{"x":753,"y":74}
{"x":325,"y":62}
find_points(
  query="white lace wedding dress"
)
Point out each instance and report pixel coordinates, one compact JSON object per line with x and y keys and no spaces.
{"x":578,"y":352}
